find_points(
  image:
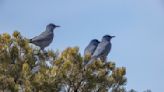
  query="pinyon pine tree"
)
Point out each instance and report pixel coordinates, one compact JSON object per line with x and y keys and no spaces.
{"x":18,"y":60}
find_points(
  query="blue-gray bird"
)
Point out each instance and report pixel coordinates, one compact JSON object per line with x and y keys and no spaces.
{"x":90,"y":49}
{"x":102,"y":49}
{"x":45,"y":38}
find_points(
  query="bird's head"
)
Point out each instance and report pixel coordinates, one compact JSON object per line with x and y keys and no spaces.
{"x":51,"y":26}
{"x":107,"y":37}
{"x":95,"y":42}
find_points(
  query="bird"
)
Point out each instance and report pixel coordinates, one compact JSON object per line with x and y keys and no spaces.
{"x":45,"y":38}
{"x":102,"y":49}
{"x":91,"y":47}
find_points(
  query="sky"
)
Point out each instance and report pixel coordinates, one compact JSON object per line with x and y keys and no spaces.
{"x":137,"y":25}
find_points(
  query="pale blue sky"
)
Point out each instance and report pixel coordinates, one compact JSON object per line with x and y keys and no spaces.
{"x":137,"y":24}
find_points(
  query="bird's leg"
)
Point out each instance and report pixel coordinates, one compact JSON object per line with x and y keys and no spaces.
{"x":37,"y":60}
{"x":36,"y":56}
{"x":46,"y":54}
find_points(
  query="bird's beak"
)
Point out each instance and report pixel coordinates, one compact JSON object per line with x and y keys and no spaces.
{"x":113,"y":36}
{"x":57,"y":26}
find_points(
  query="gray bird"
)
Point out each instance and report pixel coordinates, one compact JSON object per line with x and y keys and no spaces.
{"x":45,"y":38}
{"x":90,"y":49}
{"x":102,"y":49}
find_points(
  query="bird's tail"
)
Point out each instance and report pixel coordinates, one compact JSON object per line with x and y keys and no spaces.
{"x":90,"y":62}
{"x":87,"y":58}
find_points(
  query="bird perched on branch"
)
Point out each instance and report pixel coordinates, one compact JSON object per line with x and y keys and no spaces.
{"x":102,"y":49}
{"x":45,"y":38}
{"x":90,"y":49}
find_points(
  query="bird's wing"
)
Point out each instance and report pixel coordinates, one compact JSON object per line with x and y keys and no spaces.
{"x":101,"y":48}
{"x":43,"y":36}
{"x":89,"y":49}
{"x":86,"y":50}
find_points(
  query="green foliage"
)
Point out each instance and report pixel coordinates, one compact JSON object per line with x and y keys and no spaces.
{"x":17,"y":59}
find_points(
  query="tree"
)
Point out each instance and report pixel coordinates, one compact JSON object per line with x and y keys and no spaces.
{"x":132,"y":90}
{"x":148,"y":90}
{"x":18,"y":60}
